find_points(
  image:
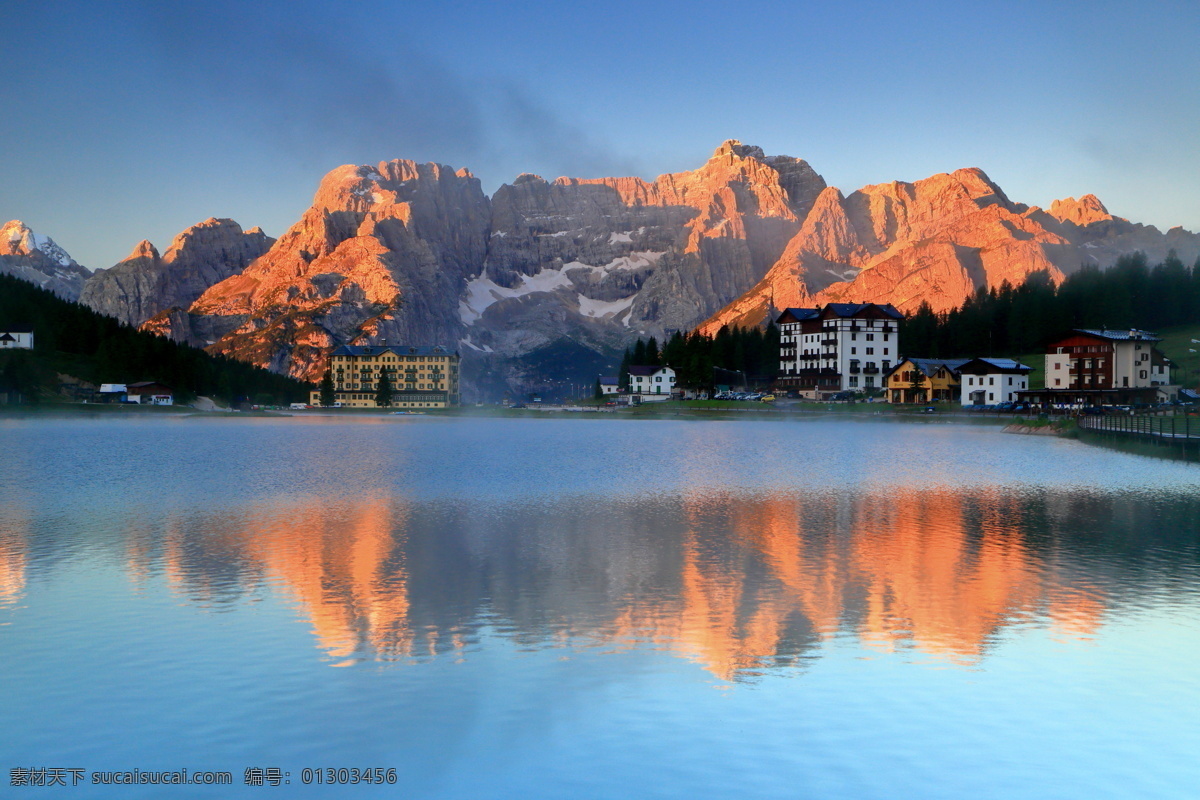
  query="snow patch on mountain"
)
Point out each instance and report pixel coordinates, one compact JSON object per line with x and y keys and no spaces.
{"x":483,"y":291}
{"x":633,"y":261}
{"x":601,"y":309}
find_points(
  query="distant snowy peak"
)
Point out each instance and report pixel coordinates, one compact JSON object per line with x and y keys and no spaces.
{"x":18,"y":239}
{"x":40,"y":261}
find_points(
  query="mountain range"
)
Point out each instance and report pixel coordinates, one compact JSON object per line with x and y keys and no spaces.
{"x":557,"y":276}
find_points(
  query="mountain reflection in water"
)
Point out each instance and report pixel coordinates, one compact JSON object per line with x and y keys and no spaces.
{"x":738,"y":583}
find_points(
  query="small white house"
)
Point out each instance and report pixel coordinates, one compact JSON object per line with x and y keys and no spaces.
{"x":150,"y":393}
{"x":608,"y":385}
{"x":651,"y":383}
{"x":988,"y":381}
{"x":111,"y":393}
{"x":16,"y":337}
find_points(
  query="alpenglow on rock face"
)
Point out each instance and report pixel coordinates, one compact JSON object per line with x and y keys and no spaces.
{"x":417,"y":253}
{"x":383,"y":253}
{"x":146,"y":283}
{"x":557,"y":276}
{"x":937,"y":241}
{"x":37,"y":259}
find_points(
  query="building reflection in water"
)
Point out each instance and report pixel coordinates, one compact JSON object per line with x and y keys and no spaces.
{"x":14,"y":536}
{"x":738,"y":584}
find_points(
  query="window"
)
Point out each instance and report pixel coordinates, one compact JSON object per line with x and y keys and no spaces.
{"x":870,"y":337}
{"x":870,"y":351}
{"x":991,"y":381}
{"x":853,"y":351}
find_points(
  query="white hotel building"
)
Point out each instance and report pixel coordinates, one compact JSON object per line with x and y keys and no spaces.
{"x":837,"y":347}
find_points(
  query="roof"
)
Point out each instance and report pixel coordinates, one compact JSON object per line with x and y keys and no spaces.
{"x":860,"y":309}
{"x":605,"y":380}
{"x":1131,"y":335}
{"x":928,"y":366}
{"x":797,"y":314}
{"x":981,"y":366}
{"x":840,"y":310}
{"x":645,"y":370}
{"x":146,"y":385}
{"x":1189,"y":394}
{"x":4,"y":337}
{"x":398,"y":349}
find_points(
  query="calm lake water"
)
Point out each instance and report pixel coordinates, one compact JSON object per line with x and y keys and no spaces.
{"x":598,"y":608}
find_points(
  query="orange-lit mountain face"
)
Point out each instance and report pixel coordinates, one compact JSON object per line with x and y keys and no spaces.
{"x":937,"y":241}
{"x":145,"y":282}
{"x":560,"y":272}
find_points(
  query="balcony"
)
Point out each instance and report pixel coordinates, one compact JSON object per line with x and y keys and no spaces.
{"x":870,"y":370}
{"x":853,"y":369}
{"x":828,"y":342}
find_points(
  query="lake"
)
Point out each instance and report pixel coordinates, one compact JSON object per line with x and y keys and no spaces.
{"x":595,"y":608}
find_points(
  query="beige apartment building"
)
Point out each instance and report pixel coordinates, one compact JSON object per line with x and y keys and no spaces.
{"x":421,"y":377}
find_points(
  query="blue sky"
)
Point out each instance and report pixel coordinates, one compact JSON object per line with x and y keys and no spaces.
{"x":131,"y":122}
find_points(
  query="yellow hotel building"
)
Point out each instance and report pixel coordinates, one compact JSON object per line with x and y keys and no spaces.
{"x":421,"y":377}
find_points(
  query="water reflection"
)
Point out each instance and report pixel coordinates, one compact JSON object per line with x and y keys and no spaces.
{"x":737,"y":583}
{"x":14,"y":525}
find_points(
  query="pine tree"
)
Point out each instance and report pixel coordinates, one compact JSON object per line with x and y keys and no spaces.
{"x":383,"y":390}
{"x":623,"y":372}
{"x":328,"y":397}
{"x":639,"y":354}
{"x":598,"y":392}
{"x":652,"y":357}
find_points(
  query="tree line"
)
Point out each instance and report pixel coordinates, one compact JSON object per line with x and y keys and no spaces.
{"x":73,"y":339}
{"x":1008,"y":320}
{"x":751,"y":351}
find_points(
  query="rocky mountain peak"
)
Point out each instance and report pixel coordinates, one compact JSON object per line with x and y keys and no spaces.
{"x":143,"y":249}
{"x":39,"y":260}
{"x":1082,"y":212}
{"x":18,"y":239}
{"x":731,"y":148}
{"x":146,"y":283}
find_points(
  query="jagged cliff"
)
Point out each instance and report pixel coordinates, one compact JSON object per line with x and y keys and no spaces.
{"x":37,"y":259}
{"x":554,"y":277}
{"x":417,"y":253}
{"x":383,"y":253}
{"x":146,"y":283}
{"x":936,"y":241}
